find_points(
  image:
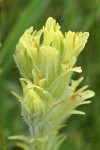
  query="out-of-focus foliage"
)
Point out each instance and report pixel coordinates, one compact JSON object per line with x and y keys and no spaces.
{"x":15,"y":17}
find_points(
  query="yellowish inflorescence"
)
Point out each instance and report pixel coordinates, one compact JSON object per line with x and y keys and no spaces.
{"x":46,"y":59}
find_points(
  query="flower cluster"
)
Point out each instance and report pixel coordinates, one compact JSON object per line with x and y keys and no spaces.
{"x":46,"y":59}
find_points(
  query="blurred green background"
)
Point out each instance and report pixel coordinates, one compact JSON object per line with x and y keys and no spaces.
{"x":83,"y":132}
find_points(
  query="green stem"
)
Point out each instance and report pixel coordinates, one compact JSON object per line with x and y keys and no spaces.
{"x":32,"y":131}
{"x":2,"y":137}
